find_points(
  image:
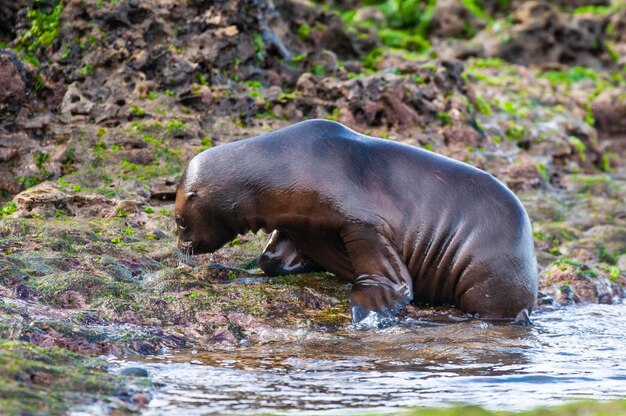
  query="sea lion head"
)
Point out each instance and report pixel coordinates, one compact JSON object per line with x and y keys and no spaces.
{"x":201,"y":223}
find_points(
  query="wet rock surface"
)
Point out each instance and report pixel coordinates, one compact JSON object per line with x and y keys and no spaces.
{"x":94,"y":137}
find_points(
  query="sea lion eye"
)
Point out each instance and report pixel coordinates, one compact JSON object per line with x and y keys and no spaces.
{"x":180,"y":221}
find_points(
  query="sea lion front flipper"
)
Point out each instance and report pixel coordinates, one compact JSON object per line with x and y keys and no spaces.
{"x":382,"y":283}
{"x":281,"y":257}
{"x":523,"y":318}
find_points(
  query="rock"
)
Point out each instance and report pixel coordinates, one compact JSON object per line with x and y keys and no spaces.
{"x":12,"y":81}
{"x":75,"y":103}
{"x":612,"y":237}
{"x":134,"y":372}
{"x":576,"y":283}
{"x":463,"y":133}
{"x":141,"y":399}
{"x":452,"y":20}
{"x":388,"y":100}
{"x":206,"y":318}
{"x":370,"y":13}
{"x":44,"y":196}
{"x":540,"y":34}
{"x":542,"y":208}
{"x":7,"y":154}
{"x":70,"y":299}
{"x":306,"y":84}
{"x":609,"y":110}
{"x":593,"y":211}
{"x":224,"y":336}
{"x":46,"y":199}
{"x":523,"y":175}
{"x":586,"y":250}
{"x":228,"y":31}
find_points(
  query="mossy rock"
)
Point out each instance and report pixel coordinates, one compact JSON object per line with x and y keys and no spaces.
{"x":10,"y":271}
{"x":42,"y":263}
{"x":588,"y":250}
{"x":597,"y":185}
{"x":172,"y":279}
{"x":588,"y":408}
{"x":71,"y":289}
{"x":613,"y":237}
{"x":590,"y":211}
{"x":542,"y":207}
{"x":44,"y":381}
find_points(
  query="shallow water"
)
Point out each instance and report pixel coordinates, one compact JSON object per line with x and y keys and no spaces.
{"x":568,"y":354}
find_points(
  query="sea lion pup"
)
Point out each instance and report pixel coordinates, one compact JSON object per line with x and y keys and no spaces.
{"x":400,"y":223}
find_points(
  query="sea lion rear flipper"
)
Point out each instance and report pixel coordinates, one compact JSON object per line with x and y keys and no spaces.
{"x":523,"y":318}
{"x":382,"y":283}
{"x":281,"y":257}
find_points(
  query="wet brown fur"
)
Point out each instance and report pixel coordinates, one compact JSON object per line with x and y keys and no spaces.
{"x":401,"y":223}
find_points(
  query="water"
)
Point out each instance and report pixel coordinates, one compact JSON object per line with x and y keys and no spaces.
{"x":572,"y":353}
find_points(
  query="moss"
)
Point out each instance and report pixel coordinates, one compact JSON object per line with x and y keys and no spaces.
{"x":581,"y":268}
{"x":593,"y":9}
{"x":543,"y":172}
{"x":605,"y":256}
{"x":444,"y":117}
{"x":253,"y":300}
{"x":403,"y":39}
{"x":175,"y":125}
{"x":336,"y":316}
{"x":8,"y":209}
{"x":373,"y":57}
{"x":477,"y":9}
{"x":607,"y":161}
{"x":86,"y":69}
{"x":88,"y":284}
{"x":136,"y":110}
{"x":169,"y":165}
{"x":45,"y":25}
{"x":304,"y":31}
{"x":570,"y":76}
{"x":203,"y":80}
{"x":579,"y":146}
{"x":318,"y":69}
{"x":515,"y":132}
{"x":488,"y":63}
{"x":600,"y":184}
{"x":416,"y":14}
{"x":334,"y":115}
{"x":482,"y":106}
{"x":589,"y":118}
{"x":259,"y":44}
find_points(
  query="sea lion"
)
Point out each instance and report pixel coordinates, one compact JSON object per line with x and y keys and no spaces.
{"x":401,"y":223}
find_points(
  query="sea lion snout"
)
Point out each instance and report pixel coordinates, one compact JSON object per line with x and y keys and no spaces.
{"x":185,"y":246}
{"x":194,"y":247}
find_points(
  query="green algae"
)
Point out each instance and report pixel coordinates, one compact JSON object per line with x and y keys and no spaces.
{"x":45,"y":25}
{"x":8,"y":209}
{"x":587,"y":408}
{"x":77,"y":267}
{"x":38,"y":381}
{"x":476,"y":7}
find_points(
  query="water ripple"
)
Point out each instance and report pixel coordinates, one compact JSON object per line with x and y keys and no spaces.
{"x":568,"y":354}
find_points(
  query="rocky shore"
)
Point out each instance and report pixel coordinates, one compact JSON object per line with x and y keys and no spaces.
{"x":104,"y":101}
